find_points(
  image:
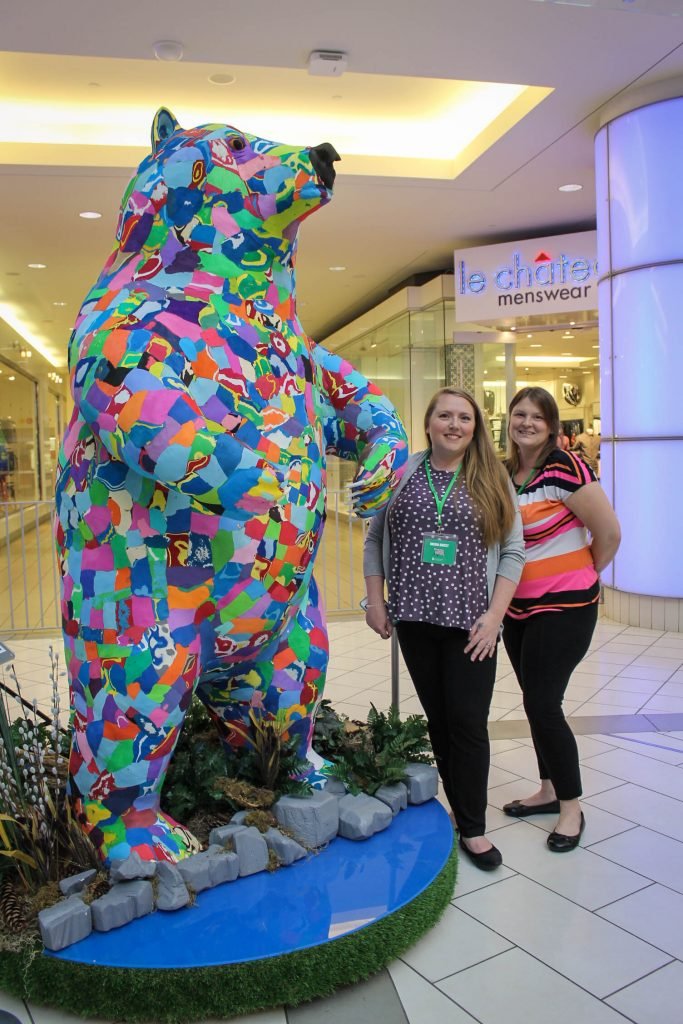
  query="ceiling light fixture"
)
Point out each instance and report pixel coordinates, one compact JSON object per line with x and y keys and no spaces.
{"x":59,"y":303}
{"x":336,"y":270}
{"x":536,"y":344}
{"x":572,"y":187}
{"x":168,"y":49}
{"x":37,"y":266}
{"x":222,"y":79}
{"x":90,"y":215}
{"x":529,"y":335}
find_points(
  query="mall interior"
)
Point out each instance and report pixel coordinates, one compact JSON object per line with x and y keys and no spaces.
{"x":507,"y":211}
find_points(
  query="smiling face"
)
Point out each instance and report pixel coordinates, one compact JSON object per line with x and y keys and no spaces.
{"x":529,"y":429}
{"x":450,"y":429}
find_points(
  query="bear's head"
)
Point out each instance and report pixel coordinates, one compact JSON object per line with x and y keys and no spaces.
{"x":215,"y":181}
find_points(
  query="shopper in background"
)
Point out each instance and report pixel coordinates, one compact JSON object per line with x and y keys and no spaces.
{"x":550,"y":621}
{"x":449,"y":546}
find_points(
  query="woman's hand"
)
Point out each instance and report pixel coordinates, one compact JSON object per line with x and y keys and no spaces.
{"x":377,"y":618}
{"x":483,"y":637}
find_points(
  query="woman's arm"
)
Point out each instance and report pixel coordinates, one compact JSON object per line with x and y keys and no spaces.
{"x":485,"y":631}
{"x":376,"y":612}
{"x":591,"y":505}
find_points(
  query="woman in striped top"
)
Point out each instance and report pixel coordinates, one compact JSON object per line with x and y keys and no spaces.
{"x":550,"y":621}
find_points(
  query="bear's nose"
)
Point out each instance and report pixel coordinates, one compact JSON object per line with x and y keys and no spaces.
{"x":322,"y":158}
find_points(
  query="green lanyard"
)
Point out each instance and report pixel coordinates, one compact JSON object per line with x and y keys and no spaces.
{"x":440,"y":502}
{"x":522,"y":486}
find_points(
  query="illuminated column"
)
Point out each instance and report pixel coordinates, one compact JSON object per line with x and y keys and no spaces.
{"x":639,"y":155}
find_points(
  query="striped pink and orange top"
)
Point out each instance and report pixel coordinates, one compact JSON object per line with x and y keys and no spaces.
{"x":559,"y":571}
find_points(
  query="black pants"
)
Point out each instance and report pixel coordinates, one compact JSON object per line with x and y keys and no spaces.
{"x":544,"y":650}
{"x":455,"y":694}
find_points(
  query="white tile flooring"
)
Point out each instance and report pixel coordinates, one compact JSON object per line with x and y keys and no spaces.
{"x":595,"y":936}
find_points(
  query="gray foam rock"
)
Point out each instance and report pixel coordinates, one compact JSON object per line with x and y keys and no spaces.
{"x":172,"y":892}
{"x":362,"y":815}
{"x":76,"y":883}
{"x":224,"y":866}
{"x":113,"y":910}
{"x":64,"y":923}
{"x":225,"y":833}
{"x":422,"y":781}
{"x":132,"y":867}
{"x":286,"y":849}
{"x":196,"y":871}
{"x":395,"y":797}
{"x":335,"y":786}
{"x":313,"y":819}
{"x":141,"y":892}
{"x":252,"y":850}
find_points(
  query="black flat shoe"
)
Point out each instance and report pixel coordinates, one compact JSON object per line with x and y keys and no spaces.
{"x":563,"y":844}
{"x":519,"y":810}
{"x":489,"y":860}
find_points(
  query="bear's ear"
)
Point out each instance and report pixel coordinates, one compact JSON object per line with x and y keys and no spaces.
{"x":163,"y":126}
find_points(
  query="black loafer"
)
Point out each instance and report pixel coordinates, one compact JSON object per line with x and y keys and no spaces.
{"x":519,"y":810}
{"x":563,"y":844}
{"x":489,"y":860}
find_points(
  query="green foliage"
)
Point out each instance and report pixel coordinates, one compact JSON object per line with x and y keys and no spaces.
{"x":40,"y":841}
{"x":198,"y":762}
{"x":375,"y":755}
{"x":196,"y":777}
{"x":329,"y":734}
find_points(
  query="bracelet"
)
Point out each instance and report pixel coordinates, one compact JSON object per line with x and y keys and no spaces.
{"x":364,"y":604}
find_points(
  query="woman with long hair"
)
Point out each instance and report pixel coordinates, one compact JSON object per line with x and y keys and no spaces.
{"x":551,"y":618}
{"x":449,"y":548}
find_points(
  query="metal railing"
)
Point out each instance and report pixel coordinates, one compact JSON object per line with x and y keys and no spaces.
{"x":29,"y":578}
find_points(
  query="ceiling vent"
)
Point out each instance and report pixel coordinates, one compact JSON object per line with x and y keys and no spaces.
{"x":330,"y":63}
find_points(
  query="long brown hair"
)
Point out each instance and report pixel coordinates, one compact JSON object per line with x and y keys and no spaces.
{"x":551,"y":414}
{"x":485,"y":478}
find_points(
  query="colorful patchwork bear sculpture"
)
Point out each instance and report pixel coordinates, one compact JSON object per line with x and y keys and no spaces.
{"x":191,"y":486}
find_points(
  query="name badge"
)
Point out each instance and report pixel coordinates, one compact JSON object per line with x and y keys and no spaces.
{"x":439,"y":549}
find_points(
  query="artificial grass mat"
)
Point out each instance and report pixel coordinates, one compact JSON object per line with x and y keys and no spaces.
{"x":178,"y":996}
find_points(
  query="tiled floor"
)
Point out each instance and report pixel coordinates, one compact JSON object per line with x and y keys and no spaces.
{"x":595,"y":936}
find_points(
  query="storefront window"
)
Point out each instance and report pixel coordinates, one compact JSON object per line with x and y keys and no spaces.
{"x":19,"y":457}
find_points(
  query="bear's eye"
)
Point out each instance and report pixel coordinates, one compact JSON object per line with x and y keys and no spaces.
{"x":237,"y":143}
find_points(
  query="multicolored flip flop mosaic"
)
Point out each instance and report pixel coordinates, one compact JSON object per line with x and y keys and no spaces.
{"x":191,"y":489}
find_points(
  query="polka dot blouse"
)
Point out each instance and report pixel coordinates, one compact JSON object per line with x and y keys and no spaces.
{"x":444,"y":595}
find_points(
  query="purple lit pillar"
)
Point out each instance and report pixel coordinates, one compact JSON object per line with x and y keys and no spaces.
{"x":639,"y":181}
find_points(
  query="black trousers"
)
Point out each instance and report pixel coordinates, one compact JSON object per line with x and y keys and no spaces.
{"x":544,"y":651}
{"x":455,"y":693}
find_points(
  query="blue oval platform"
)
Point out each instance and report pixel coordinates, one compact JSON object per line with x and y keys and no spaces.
{"x":343,"y":888}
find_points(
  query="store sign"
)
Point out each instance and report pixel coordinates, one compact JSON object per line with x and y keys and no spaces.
{"x":538,"y":275}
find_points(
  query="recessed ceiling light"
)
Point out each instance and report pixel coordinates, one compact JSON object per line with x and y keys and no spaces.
{"x":374,"y":345}
{"x":336,"y":269}
{"x":584,"y":372}
{"x":59,"y":303}
{"x":485,"y":372}
{"x":222,"y":79}
{"x":565,"y":353}
{"x":595,"y":346}
{"x":572,"y":322}
{"x":529,"y":335}
{"x":37,"y":266}
{"x":12,"y":377}
{"x":168,"y":49}
{"x":513,"y":328}
{"x":572,"y":187}
{"x":536,"y":344}
{"x":562,"y":376}
{"x":90,"y":215}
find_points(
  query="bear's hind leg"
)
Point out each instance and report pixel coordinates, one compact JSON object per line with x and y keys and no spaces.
{"x":285,"y":678}
{"x":128,"y":705}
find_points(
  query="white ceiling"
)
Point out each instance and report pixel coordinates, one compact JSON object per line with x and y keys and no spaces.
{"x":382,"y":229}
